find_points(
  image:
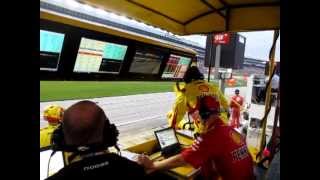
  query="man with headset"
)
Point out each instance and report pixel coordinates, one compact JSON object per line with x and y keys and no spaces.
{"x":219,"y":151}
{"x":53,"y":115}
{"x":187,"y":99}
{"x":87,"y":133}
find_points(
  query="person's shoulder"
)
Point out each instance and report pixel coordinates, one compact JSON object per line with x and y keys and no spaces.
{"x":211,"y":84}
{"x":223,"y":130}
{"x":121,"y":159}
{"x":124,"y":163}
{"x":214,"y":87}
{"x":46,"y":130}
{"x":49,"y":127}
{"x":195,"y":86}
{"x":43,"y":129}
{"x":127,"y":166}
{"x":108,"y":164}
{"x":113,"y":157}
{"x":212,"y":133}
{"x":214,"y":136}
{"x":179,"y":87}
{"x":203,"y":84}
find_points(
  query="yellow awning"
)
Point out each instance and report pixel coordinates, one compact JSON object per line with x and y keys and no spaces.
{"x":185,"y":17}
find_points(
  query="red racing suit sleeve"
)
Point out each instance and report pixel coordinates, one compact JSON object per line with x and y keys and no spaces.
{"x":200,"y":152}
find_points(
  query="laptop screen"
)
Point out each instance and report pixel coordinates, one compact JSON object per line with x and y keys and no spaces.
{"x":166,"y":137}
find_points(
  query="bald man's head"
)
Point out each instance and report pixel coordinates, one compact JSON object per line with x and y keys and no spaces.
{"x":83,"y":123}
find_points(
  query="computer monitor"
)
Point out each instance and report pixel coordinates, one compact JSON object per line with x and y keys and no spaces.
{"x":50,"y":49}
{"x":146,"y":61}
{"x":168,"y":141}
{"x":96,"y":56}
{"x":166,"y":137}
{"x":176,"y":67}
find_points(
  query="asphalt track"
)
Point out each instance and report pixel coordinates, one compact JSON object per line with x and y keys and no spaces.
{"x":132,"y":114}
{"x":142,"y":114}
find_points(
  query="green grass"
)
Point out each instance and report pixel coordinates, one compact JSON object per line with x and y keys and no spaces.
{"x":62,"y":90}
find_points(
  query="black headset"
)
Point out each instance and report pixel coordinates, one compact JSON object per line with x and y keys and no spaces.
{"x":110,"y":138}
{"x":204,"y":111}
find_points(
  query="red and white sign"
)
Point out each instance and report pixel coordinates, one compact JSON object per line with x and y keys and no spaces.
{"x":222,"y":38}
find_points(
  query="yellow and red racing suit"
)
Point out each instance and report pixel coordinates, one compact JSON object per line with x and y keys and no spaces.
{"x":186,"y":101}
{"x":45,"y":135}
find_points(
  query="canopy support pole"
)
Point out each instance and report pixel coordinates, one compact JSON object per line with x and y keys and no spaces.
{"x":209,"y":40}
{"x":268,"y":94}
{"x":275,"y":123}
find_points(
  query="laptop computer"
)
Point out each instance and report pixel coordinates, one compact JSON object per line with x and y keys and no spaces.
{"x":168,"y":141}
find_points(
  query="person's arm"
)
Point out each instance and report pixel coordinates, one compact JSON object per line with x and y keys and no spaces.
{"x":172,"y":162}
{"x":196,"y":155}
{"x":242,"y":102}
{"x":231,"y":104}
{"x":178,"y":111}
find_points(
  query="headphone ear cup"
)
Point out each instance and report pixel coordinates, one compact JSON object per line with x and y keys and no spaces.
{"x":111,"y":134}
{"x":57,"y":138}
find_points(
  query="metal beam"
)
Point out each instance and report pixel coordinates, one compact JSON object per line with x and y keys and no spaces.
{"x":156,"y":12}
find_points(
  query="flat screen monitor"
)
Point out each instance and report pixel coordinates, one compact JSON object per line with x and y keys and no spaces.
{"x":146,"y":61}
{"x":176,"y":67}
{"x":166,"y":137}
{"x":50,"y":49}
{"x":99,"y":56}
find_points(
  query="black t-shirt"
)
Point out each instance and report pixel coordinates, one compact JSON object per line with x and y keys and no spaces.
{"x":106,"y":166}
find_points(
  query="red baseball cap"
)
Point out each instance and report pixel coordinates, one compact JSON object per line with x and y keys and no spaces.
{"x":209,"y":104}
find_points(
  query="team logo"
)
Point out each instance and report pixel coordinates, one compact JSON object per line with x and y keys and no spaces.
{"x":239,"y":153}
{"x":236,"y":137}
{"x":203,"y":88}
{"x":91,"y":167}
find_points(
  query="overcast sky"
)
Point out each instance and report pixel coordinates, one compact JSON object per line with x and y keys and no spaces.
{"x":258,"y":44}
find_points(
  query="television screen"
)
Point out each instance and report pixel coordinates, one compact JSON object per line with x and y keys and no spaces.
{"x":146,"y":61}
{"x":50,"y":49}
{"x":176,"y":67}
{"x":99,"y":56}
